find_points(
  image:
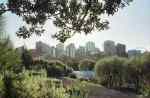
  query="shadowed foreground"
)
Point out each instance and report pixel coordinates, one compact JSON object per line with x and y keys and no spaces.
{"x":97,"y":91}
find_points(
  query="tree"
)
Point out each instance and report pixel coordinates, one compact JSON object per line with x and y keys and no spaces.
{"x":26,"y":58}
{"x":86,"y":64}
{"x":146,"y":73}
{"x":70,"y":16}
{"x":146,"y":65}
{"x":134,"y":73}
{"x":110,"y":71}
{"x":9,"y":58}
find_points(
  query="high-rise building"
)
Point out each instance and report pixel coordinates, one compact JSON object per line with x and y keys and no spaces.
{"x":81,"y":51}
{"x":59,"y":50}
{"x":109,"y":48}
{"x":52,"y":51}
{"x":134,"y":52}
{"x":90,"y":46}
{"x":42,"y":48}
{"x":95,"y":51}
{"x":121,"y":50}
{"x":71,"y":50}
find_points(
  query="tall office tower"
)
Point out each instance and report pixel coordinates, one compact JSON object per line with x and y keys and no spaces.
{"x":71,"y":50}
{"x":59,"y":50}
{"x":42,"y":48}
{"x":81,"y":51}
{"x":121,"y":50}
{"x":90,"y":47}
{"x":52,"y":51}
{"x":109,"y":48}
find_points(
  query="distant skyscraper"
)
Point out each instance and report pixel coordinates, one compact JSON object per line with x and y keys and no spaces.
{"x":81,"y":51}
{"x":134,"y":52}
{"x":42,"y":48}
{"x":70,"y":50}
{"x":59,"y":50}
{"x":90,"y":46}
{"x":52,"y":51}
{"x":109,"y":48}
{"x":95,"y":51}
{"x":121,"y":50}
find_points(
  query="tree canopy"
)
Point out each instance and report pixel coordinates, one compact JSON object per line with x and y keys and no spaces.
{"x":70,"y":16}
{"x":9,"y":58}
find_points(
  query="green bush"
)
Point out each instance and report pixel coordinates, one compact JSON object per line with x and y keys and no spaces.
{"x":28,"y":85}
{"x":110,"y":71}
{"x":86,"y":64}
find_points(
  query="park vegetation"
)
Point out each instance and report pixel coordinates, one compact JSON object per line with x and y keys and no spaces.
{"x":23,"y":77}
{"x":122,"y":73}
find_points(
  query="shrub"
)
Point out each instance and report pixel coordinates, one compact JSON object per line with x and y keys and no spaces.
{"x":27,"y":85}
{"x":110,"y":71}
{"x":86,"y":64}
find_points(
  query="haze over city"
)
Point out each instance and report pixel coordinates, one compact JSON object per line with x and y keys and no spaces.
{"x":129,"y":26}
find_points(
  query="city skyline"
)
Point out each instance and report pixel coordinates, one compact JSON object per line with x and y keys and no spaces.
{"x":111,"y":48}
{"x":129,"y":26}
{"x":86,"y":46}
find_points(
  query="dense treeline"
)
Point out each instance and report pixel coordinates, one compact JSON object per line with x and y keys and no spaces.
{"x":133,"y":73}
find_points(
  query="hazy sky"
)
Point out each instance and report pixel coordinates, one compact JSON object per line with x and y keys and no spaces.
{"x":130,"y":26}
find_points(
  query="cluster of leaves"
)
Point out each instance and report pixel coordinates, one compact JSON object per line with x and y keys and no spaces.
{"x":9,"y":58}
{"x":33,"y":84}
{"x":70,"y":16}
{"x":118,"y":72}
{"x":28,"y":85}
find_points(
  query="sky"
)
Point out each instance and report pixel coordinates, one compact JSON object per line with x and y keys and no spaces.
{"x":130,"y":26}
